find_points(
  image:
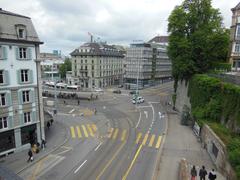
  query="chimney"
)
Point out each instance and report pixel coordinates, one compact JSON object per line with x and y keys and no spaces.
{"x":91,"y":38}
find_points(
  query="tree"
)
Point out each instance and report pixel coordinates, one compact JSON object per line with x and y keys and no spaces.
{"x":66,"y":66}
{"x":197,"y":38}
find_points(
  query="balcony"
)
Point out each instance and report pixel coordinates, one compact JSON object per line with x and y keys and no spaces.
{"x":235,"y":54}
{"x":83,"y":70}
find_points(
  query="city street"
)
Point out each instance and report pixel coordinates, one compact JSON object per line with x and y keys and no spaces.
{"x":118,"y":141}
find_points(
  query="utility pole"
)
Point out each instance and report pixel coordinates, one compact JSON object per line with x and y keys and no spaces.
{"x":55,"y":93}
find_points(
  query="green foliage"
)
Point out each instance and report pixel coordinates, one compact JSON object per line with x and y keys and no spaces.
{"x":66,"y":66}
{"x":196,"y":38}
{"x":219,"y":66}
{"x":212,"y":101}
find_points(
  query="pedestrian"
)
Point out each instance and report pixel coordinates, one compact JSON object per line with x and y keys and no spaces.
{"x":202,"y":173}
{"x":212,"y":175}
{"x":30,"y":155}
{"x":64,"y":102}
{"x":193,"y":173}
{"x":43,"y":144}
{"x":51,"y":121}
{"x":78,"y":102}
{"x":48,"y":124}
{"x":95,"y":111}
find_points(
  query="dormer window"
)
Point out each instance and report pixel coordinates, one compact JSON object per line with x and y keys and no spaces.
{"x":21,"y":33}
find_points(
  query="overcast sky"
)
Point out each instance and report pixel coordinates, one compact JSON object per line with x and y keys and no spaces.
{"x":64,"y":25}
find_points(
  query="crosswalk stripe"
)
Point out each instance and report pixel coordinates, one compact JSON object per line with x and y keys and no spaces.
{"x":79,"y":132}
{"x":94,"y":127}
{"x":158,"y":142}
{"x":138,"y":137}
{"x":73,"y":132}
{"x":110,"y":133}
{"x":115,"y":133}
{"x":151,"y":141}
{"x":123,"y":135}
{"x":145,"y":139}
{"x":85,"y":131}
{"x":90,"y":130}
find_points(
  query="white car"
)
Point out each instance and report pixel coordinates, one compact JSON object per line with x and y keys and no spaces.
{"x":98,"y":90}
{"x":139,"y":100}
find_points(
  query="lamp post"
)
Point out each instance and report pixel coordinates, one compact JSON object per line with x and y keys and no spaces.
{"x":55,"y":93}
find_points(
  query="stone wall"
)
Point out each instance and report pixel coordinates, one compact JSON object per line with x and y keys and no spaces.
{"x":182,"y":97}
{"x":217,"y":151}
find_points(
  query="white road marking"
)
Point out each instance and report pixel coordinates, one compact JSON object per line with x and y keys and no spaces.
{"x":71,"y":111}
{"x":153,"y":119}
{"x":143,"y":106}
{"x":80,"y":167}
{"x":138,"y":120}
{"x":154,"y":102}
{"x":146,"y":113}
{"x":97,"y":147}
{"x":104,"y":107}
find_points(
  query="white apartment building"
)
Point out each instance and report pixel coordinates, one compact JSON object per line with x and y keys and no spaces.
{"x":96,"y":65}
{"x":146,"y":64}
{"x":21,"y":113}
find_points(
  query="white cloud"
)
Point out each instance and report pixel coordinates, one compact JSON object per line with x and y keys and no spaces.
{"x":64,"y":25}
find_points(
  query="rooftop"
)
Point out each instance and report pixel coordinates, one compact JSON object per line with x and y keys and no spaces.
{"x":159,"y":39}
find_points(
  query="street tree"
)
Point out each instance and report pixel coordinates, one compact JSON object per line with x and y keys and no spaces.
{"x":197,"y":38}
{"x":66,"y":66}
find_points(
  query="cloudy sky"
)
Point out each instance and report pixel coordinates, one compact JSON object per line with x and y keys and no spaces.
{"x":64,"y":25}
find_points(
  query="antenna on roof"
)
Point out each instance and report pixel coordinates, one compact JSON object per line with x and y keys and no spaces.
{"x":91,"y":37}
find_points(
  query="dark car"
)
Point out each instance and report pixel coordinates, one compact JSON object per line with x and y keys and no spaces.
{"x":132,"y":92}
{"x":117,"y":91}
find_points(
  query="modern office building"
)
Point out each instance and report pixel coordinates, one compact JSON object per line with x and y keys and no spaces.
{"x":96,"y":65}
{"x":146,"y":64}
{"x":235,"y":39}
{"x":21,"y":111}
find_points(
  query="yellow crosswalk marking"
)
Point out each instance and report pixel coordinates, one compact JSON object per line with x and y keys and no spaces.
{"x":138,"y":137}
{"x":151,"y":141}
{"x":94,"y":127}
{"x":79,"y":132}
{"x":145,"y":139}
{"x":115,"y":133}
{"x":158,"y":142}
{"x":124,"y":135}
{"x":73,"y":132}
{"x":90,"y":130}
{"x":85,"y":131}
{"x":110,"y":133}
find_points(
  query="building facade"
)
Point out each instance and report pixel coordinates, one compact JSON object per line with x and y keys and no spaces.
{"x":96,"y":65}
{"x":235,"y":39}
{"x":146,"y":64}
{"x":20,"y":96}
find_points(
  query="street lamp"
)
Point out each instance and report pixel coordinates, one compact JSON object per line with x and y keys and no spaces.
{"x":55,"y":93}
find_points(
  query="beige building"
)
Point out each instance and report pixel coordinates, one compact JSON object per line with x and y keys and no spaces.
{"x":21,"y":110}
{"x":96,"y":65}
{"x":235,"y":39}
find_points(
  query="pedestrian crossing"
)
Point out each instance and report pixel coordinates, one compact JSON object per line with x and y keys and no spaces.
{"x":89,"y":130}
{"x":83,"y":131}
{"x":150,"y":140}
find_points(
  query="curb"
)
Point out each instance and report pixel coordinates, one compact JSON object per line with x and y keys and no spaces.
{"x":45,"y":155}
{"x":159,"y":155}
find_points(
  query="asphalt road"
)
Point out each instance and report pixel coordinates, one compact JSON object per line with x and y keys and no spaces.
{"x":120,"y":141}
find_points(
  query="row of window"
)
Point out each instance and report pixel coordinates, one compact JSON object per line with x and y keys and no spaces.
{"x":22,"y":53}
{"x":25,"y":118}
{"x":24,"y":76}
{"x":24,"y":96}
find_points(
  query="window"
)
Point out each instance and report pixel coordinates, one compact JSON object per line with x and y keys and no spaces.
{"x":24,"y":75}
{"x":27,"y":117}
{"x":2,"y":99}
{"x":1,"y":77}
{"x":23,"y":53}
{"x":26,"y":96}
{"x":3,"y":122}
{"x":21,"y":33}
{"x":237,"y":47}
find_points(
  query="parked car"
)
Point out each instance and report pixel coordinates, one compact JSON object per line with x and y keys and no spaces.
{"x":117,"y":91}
{"x":120,"y":86}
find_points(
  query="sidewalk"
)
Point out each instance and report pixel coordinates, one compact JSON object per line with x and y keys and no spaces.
{"x":181,"y":143}
{"x":55,"y":137}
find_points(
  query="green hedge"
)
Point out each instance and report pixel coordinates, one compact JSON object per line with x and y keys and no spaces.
{"x":215,"y":102}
